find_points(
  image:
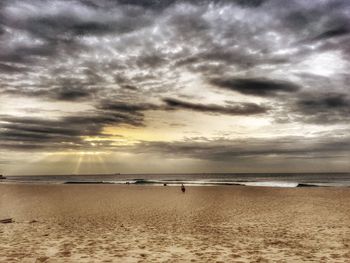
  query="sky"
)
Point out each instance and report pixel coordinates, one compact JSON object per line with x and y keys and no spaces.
{"x":150,"y":86}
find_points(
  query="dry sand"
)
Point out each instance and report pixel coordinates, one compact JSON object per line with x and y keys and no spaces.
{"x":109,"y":223}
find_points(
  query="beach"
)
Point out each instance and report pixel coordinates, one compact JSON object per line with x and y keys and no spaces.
{"x":131,"y":223}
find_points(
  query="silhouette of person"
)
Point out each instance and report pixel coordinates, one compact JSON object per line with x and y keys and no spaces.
{"x":183,"y":189}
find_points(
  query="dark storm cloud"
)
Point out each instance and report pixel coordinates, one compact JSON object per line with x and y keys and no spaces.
{"x":329,"y":101}
{"x":258,"y":87}
{"x":22,"y":54}
{"x":127,"y":107}
{"x":250,"y":3}
{"x":36,"y":126}
{"x":240,"y":109}
{"x":162,"y":4}
{"x":73,"y":89}
{"x":129,"y":87}
{"x":171,"y":104}
{"x":335,"y":32}
{"x":59,"y":26}
{"x":71,"y":94}
{"x":72,"y":18}
{"x":54,"y":28}
{"x":148,"y":4}
{"x":60,"y":23}
{"x":65,"y":132}
{"x":34,"y":133}
{"x":226,"y":150}
{"x":119,"y":55}
{"x":10,"y":69}
{"x":60,"y":90}
{"x":150,"y":60}
{"x":324,"y":109}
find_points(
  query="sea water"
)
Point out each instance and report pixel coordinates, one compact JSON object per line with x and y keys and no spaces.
{"x":204,"y":179}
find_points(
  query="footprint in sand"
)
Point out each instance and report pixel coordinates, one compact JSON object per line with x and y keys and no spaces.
{"x":42,"y":259}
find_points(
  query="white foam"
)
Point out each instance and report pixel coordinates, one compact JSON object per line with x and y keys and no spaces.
{"x":272,"y":184}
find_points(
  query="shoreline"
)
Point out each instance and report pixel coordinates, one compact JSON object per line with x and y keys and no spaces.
{"x":259,"y":180}
{"x":178,"y":184}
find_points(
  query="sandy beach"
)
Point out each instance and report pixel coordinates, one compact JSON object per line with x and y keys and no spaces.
{"x":109,"y":223}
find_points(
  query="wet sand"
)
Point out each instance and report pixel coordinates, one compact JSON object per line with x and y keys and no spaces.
{"x":110,"y":223}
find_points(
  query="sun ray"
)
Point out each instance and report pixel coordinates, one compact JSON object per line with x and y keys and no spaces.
{"x":77,"y":167}
{"x":102,"y":163}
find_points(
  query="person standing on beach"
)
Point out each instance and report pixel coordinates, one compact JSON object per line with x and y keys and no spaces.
{"x":183,"y":189}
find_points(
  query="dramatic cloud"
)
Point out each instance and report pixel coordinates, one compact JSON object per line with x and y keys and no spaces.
{"x":127,"y":107}
{"x":225,"y":150}
{"x":335,"y":32}
{"x":76,"y":74}
{"x":241,"y":109}
{"x":66,"y":132}
{"x":258,"y":87}
{"x":327,"y":108}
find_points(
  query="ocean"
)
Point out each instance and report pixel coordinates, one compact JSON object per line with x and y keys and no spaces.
{"x":204,"y":179}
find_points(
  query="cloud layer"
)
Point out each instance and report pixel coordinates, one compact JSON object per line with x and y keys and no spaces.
{"x":236,"y":65}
